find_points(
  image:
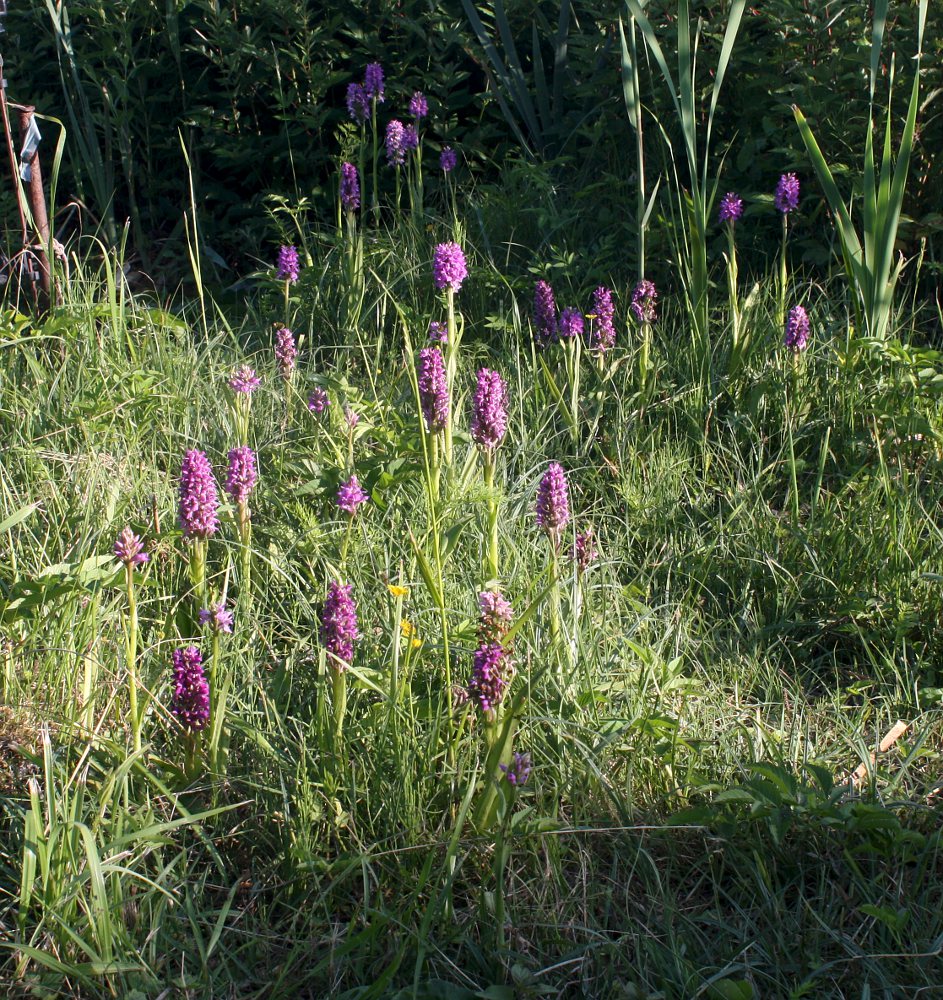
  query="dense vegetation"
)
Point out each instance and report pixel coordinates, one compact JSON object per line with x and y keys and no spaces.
{"x":488,"y":576}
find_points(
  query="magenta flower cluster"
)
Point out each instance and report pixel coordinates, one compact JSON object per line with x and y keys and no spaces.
{"x":438,"y":332}
{"x":285,"y":351}
{"x":358,"y":104}
{"x":731,"y":208}
{"x":339,"y":625}
{"x":492,"y":663}
{"x":318,"y":401}
{"x":242,"y":474}
{"x":373,"y":82}
{"x":361,"y":95}
{"x":449,"y":269}
{"x":288,"y":269}
{"x":394,"y":142}
{"x":518,"y":771}
{"x":553,"y":502}
{"x":545,"y":314}
{"x":198,"y":499}
{"x":350,"y":496}
{"x":549,"y":326}
{"x":489,"y":421}
{"x":571,"y":324}
{"x":190,"y":704}
{"x":786,"y":198}
{"x":448,"y":158}
{"x":604,"y":312}
{"x":433,"y":389}
{"x":244,"y":380}
{"x":644,"y":303}
{"x":583,"y":552}
{"x":350,"y":187}
{"x":129,"y":548}
{"x":217,"y":617}
{"x":797,"y":329}
{"x":418,"y":106}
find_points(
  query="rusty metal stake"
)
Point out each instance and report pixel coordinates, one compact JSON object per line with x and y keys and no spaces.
{"x":37,"y":201}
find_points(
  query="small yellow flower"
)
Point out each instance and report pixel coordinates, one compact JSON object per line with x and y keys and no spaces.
{"x":408,"y":631}
{"x":397,"y":591}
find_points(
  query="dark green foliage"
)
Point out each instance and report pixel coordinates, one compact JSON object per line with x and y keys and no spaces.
{"x":256,"y":92}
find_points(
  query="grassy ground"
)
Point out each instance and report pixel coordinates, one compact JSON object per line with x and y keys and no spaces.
{"x":765,"y":606}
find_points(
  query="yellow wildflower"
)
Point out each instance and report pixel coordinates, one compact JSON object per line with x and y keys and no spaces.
{"x":408,"y":631}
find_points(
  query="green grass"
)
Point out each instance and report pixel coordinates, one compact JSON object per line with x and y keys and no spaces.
{"x":766,"y":605}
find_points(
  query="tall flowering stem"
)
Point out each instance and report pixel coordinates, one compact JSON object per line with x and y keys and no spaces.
{"x":435,"y":406}
{"x":339,"y":632}
{"x":553,"y":515}
{"x":219,"y":621}
{"x":197,"y":513}
{"x":449,"y":270}
{"x":493,"y":670}
{"x":348,"y":205}
{"x":243,"y":382}
{"x":488,"y":427}
{"x":786,"y":200}
{"x":374,"y":93}
{"x":729,"y":212}
{"x":130,"y":551}
{"x":240,"y":481}
{"x":418,"y":110}
{"x":644,"y":308}
{"x":570,"y":332}
{"x":286,"y":353}
{"x":350,"y":496}
{"x":190,"y":704}
{"x":288,"y":271}
{"x":582,"y":554}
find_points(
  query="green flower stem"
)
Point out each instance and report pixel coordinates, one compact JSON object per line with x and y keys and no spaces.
{"x":491,"y":558}
{"x":435,"y":466}
{"x":572,"y":354}
{"x":783,"y":278}
{"x":419,"y":208}
{"x":346,"y":543}
{"x":499,"y":741}
{"x":375,"y":194}
{"x":217,"y":704}
{"x":197,"y":561}
{"x":339,"y":685}
{"x":394,"y":672}
{"x":191,"y":763}
{"x":451,"y":363}
{"x":132,"y":656}
{"x":645,"y":366}
{"x":241,"y":407}
{"x":245,"y":551}
{"x":502,"y":853}
{"x":793,"y":477}
{"x":556,"y":631}
{"x":735,"y":345}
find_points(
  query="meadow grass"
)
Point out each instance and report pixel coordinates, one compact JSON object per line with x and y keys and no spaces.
{"x":765,"y":606}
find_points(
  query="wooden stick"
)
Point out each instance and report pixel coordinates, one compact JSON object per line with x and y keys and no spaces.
{"x":898,"y":730}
